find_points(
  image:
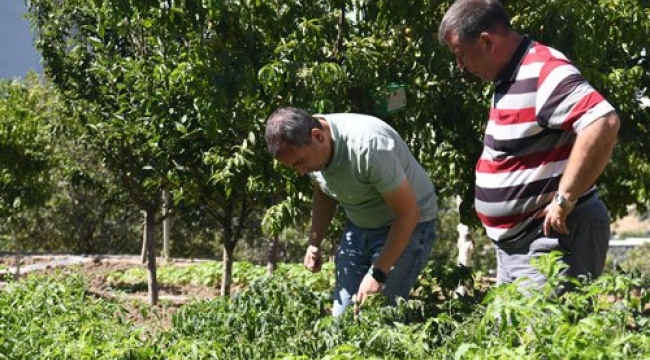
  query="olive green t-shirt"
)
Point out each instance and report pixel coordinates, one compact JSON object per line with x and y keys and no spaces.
{"x":371,"y":159}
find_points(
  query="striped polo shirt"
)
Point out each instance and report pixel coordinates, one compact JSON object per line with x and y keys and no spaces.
{"x":541,"y":101}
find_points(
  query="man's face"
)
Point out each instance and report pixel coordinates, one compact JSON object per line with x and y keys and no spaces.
{"x":307,"y":158}
{"x":473,"y":56}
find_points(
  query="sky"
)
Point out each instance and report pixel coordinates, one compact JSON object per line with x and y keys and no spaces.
{"x":17,"y":53}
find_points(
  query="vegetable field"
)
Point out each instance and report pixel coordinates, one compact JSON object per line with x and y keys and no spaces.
{"x":62,"y":314}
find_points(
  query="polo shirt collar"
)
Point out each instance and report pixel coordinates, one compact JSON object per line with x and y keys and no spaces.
{"x":509,"y":73}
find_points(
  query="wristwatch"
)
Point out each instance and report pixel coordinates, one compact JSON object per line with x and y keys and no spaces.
{"x":563,"y":202}
{"x":377,"y":274}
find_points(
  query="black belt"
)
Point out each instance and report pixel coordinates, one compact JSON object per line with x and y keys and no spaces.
{"x":586,"y":197}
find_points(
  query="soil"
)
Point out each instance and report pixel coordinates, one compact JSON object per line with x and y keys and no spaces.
{"x":96,"y":273}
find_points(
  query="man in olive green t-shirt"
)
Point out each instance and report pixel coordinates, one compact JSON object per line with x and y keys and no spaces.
{"x":361,"y":163}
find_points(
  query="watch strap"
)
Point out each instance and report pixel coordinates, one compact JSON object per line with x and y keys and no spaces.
{"x":378,"y":274}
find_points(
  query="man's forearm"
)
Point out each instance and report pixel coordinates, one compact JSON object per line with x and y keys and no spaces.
{"x":591,"y":152}
{"x":322,"y":212}
{"x":398,"y":239}
{"x":404,"y":205}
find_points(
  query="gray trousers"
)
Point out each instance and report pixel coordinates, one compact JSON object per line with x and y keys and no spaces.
{"x":584,"y":249}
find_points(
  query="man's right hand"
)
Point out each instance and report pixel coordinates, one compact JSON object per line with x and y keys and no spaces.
{"x":313,"y":260}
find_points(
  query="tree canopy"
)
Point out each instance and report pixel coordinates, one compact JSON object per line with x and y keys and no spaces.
{"x":26,"y":157}
{"x":174,"y":94}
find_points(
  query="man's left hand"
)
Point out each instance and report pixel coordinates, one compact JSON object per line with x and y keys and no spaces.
{"x":369,"y":286}
{"x":555,"y":218}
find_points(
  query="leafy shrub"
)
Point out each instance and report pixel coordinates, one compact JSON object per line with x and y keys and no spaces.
{"x":209,"y":274}
{"x":284,"y":317}
{"x":44,"y":318}
{"x":637,"y":260}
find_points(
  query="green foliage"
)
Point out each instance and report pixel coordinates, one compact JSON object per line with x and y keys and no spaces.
{"x":54,"y":192}
{"x":244,"y":320}
{"x":25,"y":144}
{"x":167,"y":94}
{"x":279,"y":317}
{"x":636,"y":260}
{"x":44,"y":318}
{"x":210,"y":273}
{"x":602,"y":319}
{"x":252,"y":323}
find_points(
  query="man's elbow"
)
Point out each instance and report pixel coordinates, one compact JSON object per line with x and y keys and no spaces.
{"x":605,"y":130}
{"x":612,"y":122}
{"x":414,"y":215}
{"x":410,"y":215}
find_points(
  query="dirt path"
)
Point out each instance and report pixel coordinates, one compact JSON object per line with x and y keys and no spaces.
{"x":97,"y":268}
{"x":96,"y":271}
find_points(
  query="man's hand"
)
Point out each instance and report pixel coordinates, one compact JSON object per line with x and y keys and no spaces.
{"x":555,"y":218}
{"x":369,"y":286}
{"x":313,"y":259}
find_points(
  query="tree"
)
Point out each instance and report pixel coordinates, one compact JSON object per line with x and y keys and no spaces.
{"x":29,"y":112}
{"x":104,"y":60}
{"x":25,"y":151}
{"x":386,"y":41}
{"x":174,"y":94}
{"x":156,"y":85}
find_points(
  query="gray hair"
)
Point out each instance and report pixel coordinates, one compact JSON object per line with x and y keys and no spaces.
{"x":289,"y":126}
{"x":469,"y":18}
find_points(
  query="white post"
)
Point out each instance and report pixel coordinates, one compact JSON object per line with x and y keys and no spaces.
{"x":465,"y":250}
{"x":465,"y":245}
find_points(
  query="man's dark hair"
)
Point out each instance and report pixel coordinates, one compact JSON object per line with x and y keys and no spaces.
{"x":469,"y":18}
{"x":289,"y":126}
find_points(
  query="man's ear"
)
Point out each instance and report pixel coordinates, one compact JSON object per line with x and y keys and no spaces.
{"x":317,"y":134}
{"x":485,"y":39}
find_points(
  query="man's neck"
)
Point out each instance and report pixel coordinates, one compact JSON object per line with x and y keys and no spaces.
{"x":327,"y":132}
{"x":508,"y":48}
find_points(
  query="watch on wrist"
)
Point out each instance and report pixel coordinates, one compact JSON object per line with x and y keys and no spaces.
{"x":562,"y":202}
{"x":377,"y":274}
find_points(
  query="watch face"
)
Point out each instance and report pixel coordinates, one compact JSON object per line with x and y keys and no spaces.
{"x":561,"y":201}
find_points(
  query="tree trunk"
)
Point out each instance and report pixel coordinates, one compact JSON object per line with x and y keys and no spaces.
{"x":152,"y":282}
{"x":228,"y":249}
{"x":18,"y":251}
{"x":272,"y":263}
{"x":226,"y":277}
{"x":144,"y":238}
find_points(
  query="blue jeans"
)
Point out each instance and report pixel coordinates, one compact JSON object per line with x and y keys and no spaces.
{"x":358,"y":250}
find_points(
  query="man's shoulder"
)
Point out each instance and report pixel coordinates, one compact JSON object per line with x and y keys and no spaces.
{"x":353,"y":119}
{"x":541,"y":60}
{"x":360,"y":126}
{"x":540,"y":52}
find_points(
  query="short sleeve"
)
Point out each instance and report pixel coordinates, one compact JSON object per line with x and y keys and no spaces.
{"x":565,"y":100}
{"x":382,"y":168}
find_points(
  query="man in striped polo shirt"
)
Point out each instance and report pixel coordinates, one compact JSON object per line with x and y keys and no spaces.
{"x":548,"y":138}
